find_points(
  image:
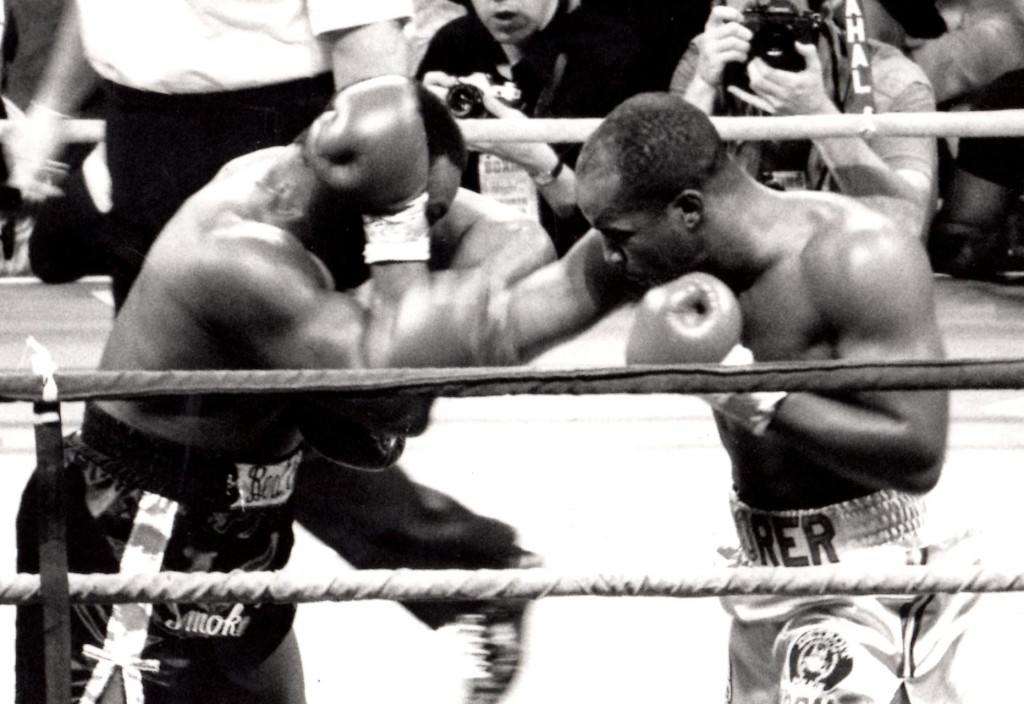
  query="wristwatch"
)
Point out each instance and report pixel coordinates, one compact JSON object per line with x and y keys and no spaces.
{"x":546,"y":178}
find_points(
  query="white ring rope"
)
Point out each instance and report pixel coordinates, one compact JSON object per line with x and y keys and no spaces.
{"x":996,"y":123}
{"x":515,"y":584}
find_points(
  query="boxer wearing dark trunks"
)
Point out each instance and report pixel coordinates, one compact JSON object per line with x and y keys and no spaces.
{"x":259,"y":270}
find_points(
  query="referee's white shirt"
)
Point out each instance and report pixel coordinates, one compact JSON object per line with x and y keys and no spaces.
{"x":198,"y":46}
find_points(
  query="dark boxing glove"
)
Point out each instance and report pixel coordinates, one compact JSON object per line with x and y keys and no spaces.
{"x":366,"y":433}
{"x":350,"y":444}
{"x":391,"y":150}
{"x":697,"y":319}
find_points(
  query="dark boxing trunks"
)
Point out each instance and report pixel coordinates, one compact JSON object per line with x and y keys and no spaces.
{"x":141,"y":504}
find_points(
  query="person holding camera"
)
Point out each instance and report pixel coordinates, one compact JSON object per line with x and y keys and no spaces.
{"x":513,"y":59}
{"x":776,"y":57}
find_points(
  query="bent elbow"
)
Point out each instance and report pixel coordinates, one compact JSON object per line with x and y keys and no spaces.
{"x":919,"y":466}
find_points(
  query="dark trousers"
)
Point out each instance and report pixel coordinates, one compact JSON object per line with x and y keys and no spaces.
{"x":163,"y":148}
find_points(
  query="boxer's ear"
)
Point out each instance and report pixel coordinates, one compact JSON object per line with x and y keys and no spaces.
{"x":690,"y":204}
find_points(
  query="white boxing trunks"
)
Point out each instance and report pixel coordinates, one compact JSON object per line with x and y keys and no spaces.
{"x":838,"y":649}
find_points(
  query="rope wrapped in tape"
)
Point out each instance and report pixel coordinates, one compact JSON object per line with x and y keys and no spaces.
{"x":459,"y":585}
{"x":996,"y":123}
{"x":497,"y":381}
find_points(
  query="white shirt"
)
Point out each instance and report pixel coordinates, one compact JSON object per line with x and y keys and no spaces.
{"x":197,"y":46}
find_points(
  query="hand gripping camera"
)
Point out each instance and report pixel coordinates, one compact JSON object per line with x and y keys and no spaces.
{"x":466,"y":98}
{"x":777,"y":25}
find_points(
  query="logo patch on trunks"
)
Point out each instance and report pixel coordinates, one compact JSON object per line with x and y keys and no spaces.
{"x":208,"y":623}
{"x":263,"y":485}
{"x":820,"y":658}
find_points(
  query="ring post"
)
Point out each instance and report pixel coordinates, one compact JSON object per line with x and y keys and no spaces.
{"x":53,"y":551}
{"x":52,"y":522}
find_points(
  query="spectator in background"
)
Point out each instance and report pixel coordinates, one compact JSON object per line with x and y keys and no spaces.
{"x":62,"y":236}
{"x":980,"y":222}
{"x":665,"y":28}
{"x":188,"y":87}
{"x":720,"y":74}
{"x":428,"y":17}
{"x":985,"y":39}
{"x":566,"y":61}
{"x":65,"y":242}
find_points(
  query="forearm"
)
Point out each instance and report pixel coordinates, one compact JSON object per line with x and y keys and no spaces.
{"x":865,"y":438}
{"x":965,"y":60}
{"x":506,"y":251}
{"x":393,"y":284}
{"x":701,"y":94}
{"x":555,"y":180}
{"x":859,"y":172}
{"x":560,"y":300}
{"x":377,"y":49}
{"x":68,"y":78}
{"x":442,"y":323}
{"x":687,"y":81}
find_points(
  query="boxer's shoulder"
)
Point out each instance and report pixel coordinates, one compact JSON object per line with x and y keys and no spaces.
{"x":863,"y":262}
{"x":235,"y":268}
{"x":254,"y":165}
{"x":845,"y":236}
{"x":264,"y":181}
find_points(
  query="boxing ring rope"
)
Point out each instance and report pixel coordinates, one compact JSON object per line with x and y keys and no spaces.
{"x":995,"y":123}
{"x":55,"y":589}
{"x":511,"y":584}
{"x":838,"y":375}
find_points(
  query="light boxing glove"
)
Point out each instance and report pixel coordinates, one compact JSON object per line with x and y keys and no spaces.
{"x":390,"y":149}
{"x":696,"y":319}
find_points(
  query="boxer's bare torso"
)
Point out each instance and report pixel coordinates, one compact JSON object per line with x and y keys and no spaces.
{"x":843,"y":285}
{"x":245,"y":227}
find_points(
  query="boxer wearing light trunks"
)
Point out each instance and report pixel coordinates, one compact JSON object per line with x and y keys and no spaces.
{"x":259,"y":271}
{"x":735,"y":270}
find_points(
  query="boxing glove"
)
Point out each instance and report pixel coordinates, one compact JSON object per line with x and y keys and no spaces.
{"x":694,"y":319}
{"x":390,"y":149}
{"x":697,"y":319}
{"x":350,"y":444}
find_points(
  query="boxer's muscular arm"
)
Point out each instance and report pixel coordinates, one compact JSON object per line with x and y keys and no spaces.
{"x":875,"y":289}
{"x":257,"y":293}
{"x":254,"y":287}
{"x":561,"y":299}
{"x":480,"y":232}
{"x":475,"y":320}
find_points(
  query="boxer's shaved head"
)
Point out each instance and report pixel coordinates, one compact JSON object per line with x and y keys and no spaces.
{"x":658,"y":144}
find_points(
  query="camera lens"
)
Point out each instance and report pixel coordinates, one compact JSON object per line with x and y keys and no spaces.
{"x":465,"y":101}
{"x":775,"y":44}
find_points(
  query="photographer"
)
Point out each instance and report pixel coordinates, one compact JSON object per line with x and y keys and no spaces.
{"x":776,"y":57}
{"x":535,"y":58}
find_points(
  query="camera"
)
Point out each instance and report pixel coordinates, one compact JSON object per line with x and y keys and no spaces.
{"x":777,"y":25}
{"x":466,"y":98}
